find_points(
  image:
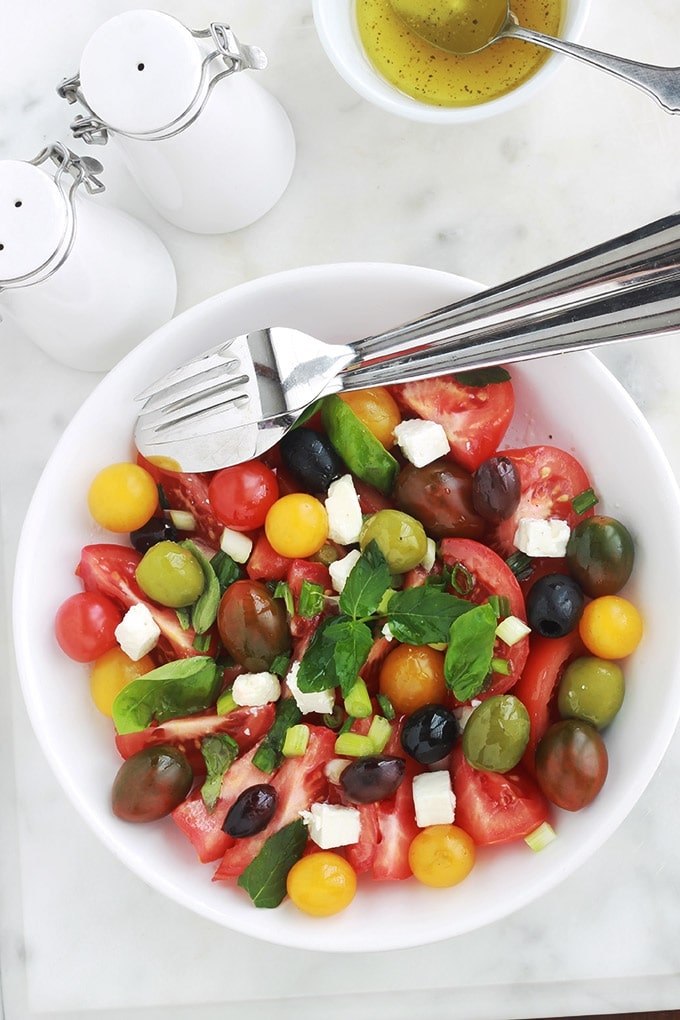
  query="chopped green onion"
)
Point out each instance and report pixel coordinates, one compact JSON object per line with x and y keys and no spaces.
{"x":386,"y":706}
{"x":521,"y":565}
{"x":311,"y":600}
{"x":541,"y":837}
{"x":511,"y":630}
{"x":462,"y":580}
{"x":379,"y":732}
{"x":334,"y":720}
{"x":268,"y":756}
{"x":347,"y":725}
{"x":585,"y":500}
{"x":354,"y":745}
{"x":500,"y":605}
{"x":295,"y":741}
{"x":225,"y":702}
{"x":382,"y":608}
{"x":183,"y":520}
{"x":501,"y":666}
{"x":282,"y":591}
{"x":358,"y":700}
{"x":162,"y":498}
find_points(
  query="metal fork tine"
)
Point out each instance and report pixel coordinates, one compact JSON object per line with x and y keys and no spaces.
{"x":191,"y":372}
{"x":192,"y":407}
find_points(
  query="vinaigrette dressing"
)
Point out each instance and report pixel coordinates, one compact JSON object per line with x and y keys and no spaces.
{"x":433,"y":76}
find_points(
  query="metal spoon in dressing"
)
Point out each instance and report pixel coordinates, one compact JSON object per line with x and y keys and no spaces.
{"x":463,"y":27}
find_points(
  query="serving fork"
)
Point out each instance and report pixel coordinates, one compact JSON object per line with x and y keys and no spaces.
{"x":239,"y":398}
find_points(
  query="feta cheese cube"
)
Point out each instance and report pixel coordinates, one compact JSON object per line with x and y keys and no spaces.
{"x":341,"y":569}
{"x":183,"y":520}
{"x":236,"y":544}
{"x":541,"y":537}
{"x":421,"y":441}
{"x":332,"y":825}
{"x":344,"y":511}
{"x":433,"y":798}
{"x":313,"y":701}
{"x":256,"y":689}
{"x":137,"y":633}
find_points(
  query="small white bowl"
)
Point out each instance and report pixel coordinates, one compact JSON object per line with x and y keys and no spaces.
{"x":335,"y":23}
{"x":571,"y":401}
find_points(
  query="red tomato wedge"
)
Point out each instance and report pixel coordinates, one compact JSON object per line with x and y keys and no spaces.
{"x":110,"y":570}
{"x":547,"y":660}
{"x":496,"y":807}
{"x":475,"y":418}
{"x":490,"y":575}
{"x":299,"y":782}
{"x":246,"y":725}
{"x":185,"y":491}
{"x":549,"y":479}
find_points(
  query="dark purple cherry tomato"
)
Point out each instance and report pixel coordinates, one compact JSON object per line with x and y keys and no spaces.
{"x":571,"y":764}
{"x":151,"y":784}
{"x":440,"y":496}
{"x":253,"y":625}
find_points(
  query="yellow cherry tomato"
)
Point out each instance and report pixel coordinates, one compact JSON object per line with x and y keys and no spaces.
{"x":441,"y":855}
{"x":611,"y":627}
{"x":322,"y":883}
{"x":113,"y":671}
{"x":296,"y":525}
{"x":412,"y":676}
{"x":164,"y":463}
{"x":378,"y":410}
{"x":122,"y":497}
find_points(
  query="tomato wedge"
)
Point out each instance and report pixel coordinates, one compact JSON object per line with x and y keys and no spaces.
{"x":549,"y":479}
{"x":475,"y":418}
{"x":496,"y":807}
{"x":547,"y":660}
{"x":490,"y":575}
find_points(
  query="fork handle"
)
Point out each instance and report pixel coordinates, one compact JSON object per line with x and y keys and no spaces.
{"x":645,"y":308}
{"x":598,"y":271}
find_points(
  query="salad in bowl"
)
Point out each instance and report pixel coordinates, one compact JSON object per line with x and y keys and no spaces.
{"x":381,"y":685}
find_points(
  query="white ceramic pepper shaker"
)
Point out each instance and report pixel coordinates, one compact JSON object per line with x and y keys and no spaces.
{"x":84,"y":281}
{"x":211,"y":149}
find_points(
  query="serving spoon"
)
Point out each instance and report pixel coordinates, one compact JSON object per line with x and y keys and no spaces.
{"x":463,"y":27}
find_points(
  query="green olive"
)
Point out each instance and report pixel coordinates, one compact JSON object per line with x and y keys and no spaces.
{"x":496,"y":734}
{"x":591,"y":689}
{"x":400,"y":538}
{"x":600,"y":553}
{"x":169,"y":574}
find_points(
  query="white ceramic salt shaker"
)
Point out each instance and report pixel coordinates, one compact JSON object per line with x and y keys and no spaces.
{"x":84,"y":281}
{"x":211,"y":149}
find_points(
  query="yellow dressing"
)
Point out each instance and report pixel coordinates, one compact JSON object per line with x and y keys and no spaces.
{"x":431,"y":75}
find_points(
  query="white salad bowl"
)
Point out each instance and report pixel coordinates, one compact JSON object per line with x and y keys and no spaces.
{"x":571,"y":401}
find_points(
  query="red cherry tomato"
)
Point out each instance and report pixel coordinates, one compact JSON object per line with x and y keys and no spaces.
{"x":85,"y":624}
{"x":549,"y":480}
{"x":241,"y":495}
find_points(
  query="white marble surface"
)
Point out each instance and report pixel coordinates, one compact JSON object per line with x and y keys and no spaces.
{"x":590,"y":157}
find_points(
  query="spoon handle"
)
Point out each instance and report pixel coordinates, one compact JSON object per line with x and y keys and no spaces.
{"x":661,"y":83}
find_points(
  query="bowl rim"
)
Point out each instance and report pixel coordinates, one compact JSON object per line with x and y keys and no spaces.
{"x":301,"y":935}
{"x":368,"y":83}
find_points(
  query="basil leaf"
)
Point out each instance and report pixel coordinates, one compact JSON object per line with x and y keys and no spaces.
{"x":423,"y":615}
{"x":336,"y":653}
{"x":226,"y":569}
{"x":311,"y":600}
{"x":283,"y":591}
{"x":467,"y":662}
{"x":219,"y":750}
{"x":269,"y":755}
{"x":483,"y":376}
{"x":178,"y":688}
{"x":204,"y":609}
{"x":265,"y":877}
{"x":368,"y":581}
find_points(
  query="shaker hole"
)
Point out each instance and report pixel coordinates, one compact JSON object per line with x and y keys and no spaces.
{"x":18,"y":204}
{"x":140,"y":67}
{"x":2,"y":247}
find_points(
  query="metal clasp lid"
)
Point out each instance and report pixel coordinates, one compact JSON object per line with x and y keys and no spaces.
{"x":72,"y":171}
{"x":225,"y":55}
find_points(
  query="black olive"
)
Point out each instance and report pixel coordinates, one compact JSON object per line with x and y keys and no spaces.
{"x":251,"y":812}
{"x":496,"y":489}
{"x":373,"y":777}
{"x":430,"y":733}
{"x":554,"y":605}
{"x":156,"y":530}
{"x":310,"y":457}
